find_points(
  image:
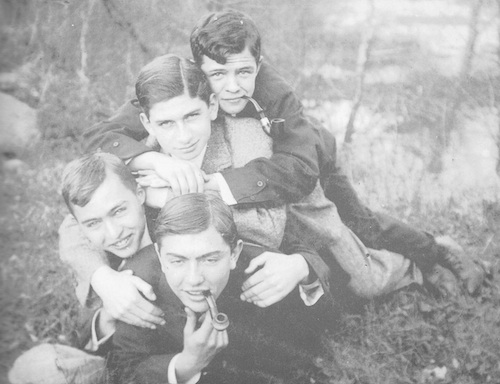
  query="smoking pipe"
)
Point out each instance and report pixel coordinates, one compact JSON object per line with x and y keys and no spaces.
{"x":220,"y":321}
{"x":273,"y":128}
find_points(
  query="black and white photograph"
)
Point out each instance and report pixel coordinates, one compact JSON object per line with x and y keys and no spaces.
{"x":250,"y":192}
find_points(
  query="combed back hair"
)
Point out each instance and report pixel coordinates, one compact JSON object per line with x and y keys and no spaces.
{"x":194,"y":213}
{"x":83,"y":176}
{"x":169,"y":76}
{"x":220,"y":34}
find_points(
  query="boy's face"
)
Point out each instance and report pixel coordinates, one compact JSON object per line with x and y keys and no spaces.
{"x":194,"y":263}
{"x":113,"y":220}
{"x":232,"y":80}
{"x":182,"y":125}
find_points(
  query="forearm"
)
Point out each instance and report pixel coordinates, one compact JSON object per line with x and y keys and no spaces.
{"x":141,"y":354}
{"x":119,"y":135}
{"x":83,"y":259}
{"x":282,"y":178}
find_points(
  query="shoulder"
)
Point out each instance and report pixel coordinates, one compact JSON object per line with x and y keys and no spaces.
{"x":270,"y":84}
{"x":145,"y":264}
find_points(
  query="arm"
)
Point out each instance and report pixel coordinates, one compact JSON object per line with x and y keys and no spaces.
{"x":120,"y":292}
{"x":163,"y":356}
{"x":274,"y":275}
{"x":292,"y":171}
{"x":120,"y":135}
{"x":80,"y":255}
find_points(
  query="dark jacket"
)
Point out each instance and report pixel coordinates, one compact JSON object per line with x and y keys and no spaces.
{"x":263,"y":343}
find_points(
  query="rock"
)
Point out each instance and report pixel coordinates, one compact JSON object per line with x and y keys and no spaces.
{"x":18,"y":125}
{"x":14,"y":166}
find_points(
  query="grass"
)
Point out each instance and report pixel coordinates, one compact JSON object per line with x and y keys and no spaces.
{"x":401,"y":339}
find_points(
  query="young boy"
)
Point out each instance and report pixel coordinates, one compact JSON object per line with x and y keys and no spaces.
{"x":226,"y":45}
{"x":106,"y":202}
{"x":198,"y":249}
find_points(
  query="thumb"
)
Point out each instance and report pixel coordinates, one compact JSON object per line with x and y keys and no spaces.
{"x":190,"y":322}
{"x":144,"y":288}
{"x":127,"y":272}
{"x":255,"y":263}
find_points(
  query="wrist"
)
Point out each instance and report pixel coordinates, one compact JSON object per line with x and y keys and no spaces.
{"x":100,"y":274}
{"x":186,"y":367}
{"x":146,"y":160}
{"x":302,"y":268}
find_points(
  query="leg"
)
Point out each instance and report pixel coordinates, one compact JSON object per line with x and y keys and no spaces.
{"x":57,"y":364}
{"x":380,"y":231}
{"x":372,"y":273}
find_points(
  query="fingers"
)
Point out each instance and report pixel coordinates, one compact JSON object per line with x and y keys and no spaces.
{"x":257,"y":262}
{"x":145,"y":288}
{"x":190,"y":322}
{"x":189,"y":180}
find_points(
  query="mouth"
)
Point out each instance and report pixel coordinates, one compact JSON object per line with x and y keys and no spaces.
{"x":189,"y":148}
{"x":235,"y":100}
{"x":197,"y":295}
{"x":123,"y":243}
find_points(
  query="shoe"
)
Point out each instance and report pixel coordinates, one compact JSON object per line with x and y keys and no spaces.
{"x":452,"y":256}
{"x":441,"y":281}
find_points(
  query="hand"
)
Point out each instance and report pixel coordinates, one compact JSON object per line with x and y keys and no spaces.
{"x":157,"y":197}
{"x":200,"y":346}
{"x":121,"y":296}
{"x":211,"y":183}
{"x":278,"y":275}
{"x":149,"y":178}
{"x":181,"y":175}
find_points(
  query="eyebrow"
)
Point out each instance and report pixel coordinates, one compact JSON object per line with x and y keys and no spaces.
{"x":195,"y":110}
{"x":204,"y":256}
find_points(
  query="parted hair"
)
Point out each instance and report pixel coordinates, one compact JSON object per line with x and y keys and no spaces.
{"x":169,"y":76}
{"x":220,"y":34}
{"x":194,"y":213}
{"x":82,"y":177}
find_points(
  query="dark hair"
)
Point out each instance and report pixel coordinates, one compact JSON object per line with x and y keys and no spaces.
{"x":169,"y":76}
{"x":220,"y":34}
{"x":83,"y":176}
{"x":195,"y":213}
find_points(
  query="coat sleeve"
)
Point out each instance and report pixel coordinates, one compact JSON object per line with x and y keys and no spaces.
{"x":77,"y":252}
{"x":141,"y":354}
{"x":120,"y":135}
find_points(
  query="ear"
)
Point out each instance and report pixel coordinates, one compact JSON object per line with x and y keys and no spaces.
{"x":213,"y":106}
{"x":146,"y":123}
{"x":259,"y":63}
{"x":235,"y":254}
{"x":141,"y":194}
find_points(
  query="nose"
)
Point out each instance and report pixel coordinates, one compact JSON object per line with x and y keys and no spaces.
{"x":112,"y":230}
{"x":232,"y":84}
{"x":184,"y":133}
{"x":195,"y":275}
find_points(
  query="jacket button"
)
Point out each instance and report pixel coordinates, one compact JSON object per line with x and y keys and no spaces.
{"x":116,"y":144}
{"x":260,"y":183}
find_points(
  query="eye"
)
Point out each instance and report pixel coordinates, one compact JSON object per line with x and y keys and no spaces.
{"x":92,"y":224}
{"x":245,"y":72}
{"x":211,"y":260}
{"x":192,"y":116}
{"x":119,"y":210}
{"x":166,"y":124}
{"x":176,"y":262}
{"x":216,"y":75}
